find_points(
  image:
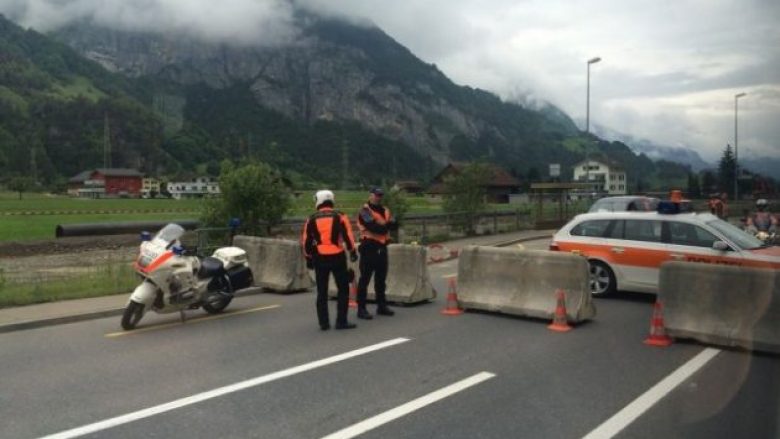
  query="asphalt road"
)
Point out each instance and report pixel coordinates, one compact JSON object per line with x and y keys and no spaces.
{"x":476,"y":375}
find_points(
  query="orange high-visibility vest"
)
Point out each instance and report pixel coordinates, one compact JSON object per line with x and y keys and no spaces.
{"x":327,"y":230}
{"x":379,"y":219}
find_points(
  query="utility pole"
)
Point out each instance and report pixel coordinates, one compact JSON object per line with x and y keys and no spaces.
{"x":106,"y":143}
{"x":344,"y":164}
{"x":33,"y":165}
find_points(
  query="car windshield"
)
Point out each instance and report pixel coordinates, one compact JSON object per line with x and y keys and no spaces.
{"x":171,"y":232}
{"x":734,"y":234}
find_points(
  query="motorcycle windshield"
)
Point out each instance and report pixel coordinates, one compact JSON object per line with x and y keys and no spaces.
{"x":170,"y":233}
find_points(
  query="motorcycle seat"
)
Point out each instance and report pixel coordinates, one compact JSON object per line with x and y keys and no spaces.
{"x":211,"y":267}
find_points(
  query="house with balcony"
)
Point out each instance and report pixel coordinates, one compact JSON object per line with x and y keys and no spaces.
{"x":606,"y":178}
{"x":199,"y":187}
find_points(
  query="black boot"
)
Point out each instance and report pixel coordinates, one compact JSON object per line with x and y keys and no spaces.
{"x":364,"y":314}
{"x":385,"y":311}
{"x":346,"y":326}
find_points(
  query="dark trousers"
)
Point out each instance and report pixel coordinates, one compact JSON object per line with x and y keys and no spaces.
{"x":323,"y":267}
{"x":373,"y":262}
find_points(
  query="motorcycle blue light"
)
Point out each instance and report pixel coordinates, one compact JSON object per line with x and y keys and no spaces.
{"x":234,"y":223}
{"x":146,"y":236}
{"x":177,"y":250}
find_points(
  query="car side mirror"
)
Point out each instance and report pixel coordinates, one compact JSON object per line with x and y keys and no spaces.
{"x":720,"y":246}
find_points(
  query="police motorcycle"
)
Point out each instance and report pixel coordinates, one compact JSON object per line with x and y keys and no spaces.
{"x":174,"y":281}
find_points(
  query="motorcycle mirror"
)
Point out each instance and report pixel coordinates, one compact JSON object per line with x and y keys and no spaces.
{"x":146,"y":236}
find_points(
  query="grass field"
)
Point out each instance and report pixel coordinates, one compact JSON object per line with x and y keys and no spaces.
{"x":101,"y":281}
{"x":36,"y":216}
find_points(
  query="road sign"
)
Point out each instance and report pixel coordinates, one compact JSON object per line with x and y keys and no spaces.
{"x":555,"y":170}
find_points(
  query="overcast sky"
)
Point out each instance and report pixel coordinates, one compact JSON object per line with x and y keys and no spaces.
{"x":669,"y":69}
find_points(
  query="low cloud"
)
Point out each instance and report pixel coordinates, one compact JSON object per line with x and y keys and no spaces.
{"x":668,"y":73}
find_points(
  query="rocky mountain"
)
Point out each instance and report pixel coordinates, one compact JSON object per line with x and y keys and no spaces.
{"x":341,"y":104}
{"x":335,"y":72}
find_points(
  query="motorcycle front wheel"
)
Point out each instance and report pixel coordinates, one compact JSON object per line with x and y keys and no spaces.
{"x":132,"y":315}
{"x":220,"y":295}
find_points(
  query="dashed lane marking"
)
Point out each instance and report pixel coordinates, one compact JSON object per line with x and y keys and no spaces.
{"x":636,"y":408}
{"x":409,"y":407}
{"x":190,"y":321}
{"x":221,"y":391}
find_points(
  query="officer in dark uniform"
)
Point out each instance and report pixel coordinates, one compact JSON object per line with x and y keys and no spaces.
{"x":324,"y":236}
{"x":375,"y":222}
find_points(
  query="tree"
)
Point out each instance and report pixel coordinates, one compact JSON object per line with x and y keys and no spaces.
{"x":694,"y":190}
{"x":20,"y":184}
{"x":254,"y":193}
{"x":396,"y":201}
{"x":708,"y":182}
{"x":465,"y":194}
{"x":727,"y":171}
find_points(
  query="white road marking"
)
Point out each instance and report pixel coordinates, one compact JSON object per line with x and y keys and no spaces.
{"x":190,"y":321}
{"x":409,"y":407}
{"x":200,"y":397}
{"x":636,"y":408}
{"x":448,"y":276}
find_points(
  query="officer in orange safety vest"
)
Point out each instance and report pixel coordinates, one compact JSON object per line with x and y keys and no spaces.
{"x":375,"y":222}
{"x":324,"y":236}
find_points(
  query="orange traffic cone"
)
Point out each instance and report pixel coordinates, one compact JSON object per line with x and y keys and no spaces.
{"x":353,"y":294}
{"x":658,"y":335}
{"x":559,"y":323}
{"x":452,"y":308}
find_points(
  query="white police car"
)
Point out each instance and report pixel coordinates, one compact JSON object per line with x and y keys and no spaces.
{"x":626,"y":249}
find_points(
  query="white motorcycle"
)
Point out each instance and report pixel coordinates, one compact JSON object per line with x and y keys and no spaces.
{"x":174,"y":281}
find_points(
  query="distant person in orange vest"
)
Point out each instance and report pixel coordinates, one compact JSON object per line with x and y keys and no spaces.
{"x":724,"y":199}
{"x":375,"y":223}
{"x":323,"y":239}
{"x":716,"y":205}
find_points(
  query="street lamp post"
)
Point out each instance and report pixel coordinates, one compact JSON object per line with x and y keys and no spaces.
{"x":736,"y":147}
{"x":587,"y":122}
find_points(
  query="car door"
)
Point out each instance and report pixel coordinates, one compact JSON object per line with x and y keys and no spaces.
{"x":693,"y":243}
{"x":640,"y":253}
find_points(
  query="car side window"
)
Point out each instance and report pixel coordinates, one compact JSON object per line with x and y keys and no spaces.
{"x":689,"y":234}
{"x":590,"y":228}
{"x":643,"y":230}
{"x":615,"y":229}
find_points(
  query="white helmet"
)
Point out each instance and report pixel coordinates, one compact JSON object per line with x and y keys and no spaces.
{"x":322,"y":196}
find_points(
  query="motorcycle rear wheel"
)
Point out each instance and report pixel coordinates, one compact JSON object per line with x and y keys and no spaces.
{"x":132,"y":315}
{"x":221,"y":294}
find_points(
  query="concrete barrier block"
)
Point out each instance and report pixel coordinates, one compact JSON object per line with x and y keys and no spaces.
{"x":722,"y":305}
{"x":524,"y":282}
{"x":277,"y":264}
{"x":408,"y":280}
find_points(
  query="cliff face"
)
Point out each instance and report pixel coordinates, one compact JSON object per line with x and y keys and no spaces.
{"x":333,"y":71}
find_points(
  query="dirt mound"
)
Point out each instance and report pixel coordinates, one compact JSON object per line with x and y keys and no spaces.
{"x":11,"y":249}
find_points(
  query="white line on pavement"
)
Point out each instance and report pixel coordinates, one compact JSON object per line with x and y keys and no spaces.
{"x":636,"y":408}
{"x":409,"y":407}
{"x":194,"y":399}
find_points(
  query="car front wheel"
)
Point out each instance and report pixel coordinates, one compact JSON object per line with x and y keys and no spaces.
{"x":602,"y":279}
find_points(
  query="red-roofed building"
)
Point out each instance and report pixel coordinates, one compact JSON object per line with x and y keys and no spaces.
{"x":498,"y":189}
{"x":107,"y":183}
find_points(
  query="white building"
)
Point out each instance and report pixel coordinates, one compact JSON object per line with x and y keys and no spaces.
{"x":606,"y":178}
{"x":198,"y":188}
{"x":150,"y":187}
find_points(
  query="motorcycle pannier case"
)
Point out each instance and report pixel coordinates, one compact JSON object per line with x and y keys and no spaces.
{"x":240,"y":277}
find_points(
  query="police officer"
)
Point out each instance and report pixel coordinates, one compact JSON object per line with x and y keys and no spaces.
{"x":375,"y":223}
{"x":324,"y":236}
{"x":762,"y":220}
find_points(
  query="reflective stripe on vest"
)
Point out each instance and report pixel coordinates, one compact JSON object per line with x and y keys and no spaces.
{"x":379,"y":219}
